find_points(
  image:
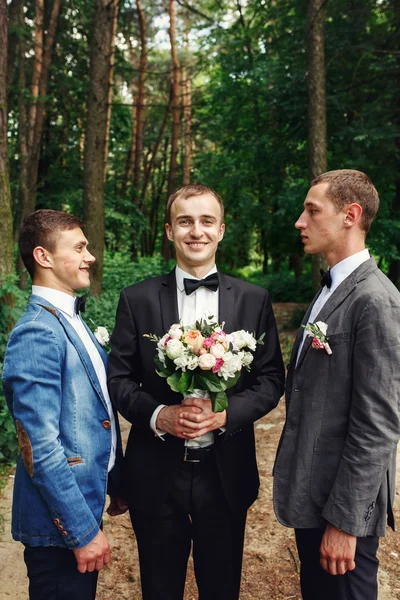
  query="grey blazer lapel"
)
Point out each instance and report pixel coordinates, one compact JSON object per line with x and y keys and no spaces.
{"x":347,"y":287}
{"x":300,"y":334}
{"x":226,"y":303}
{"x":169,"y":301}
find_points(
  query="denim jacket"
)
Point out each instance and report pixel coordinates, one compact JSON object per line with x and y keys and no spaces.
{"x":63,"y":428}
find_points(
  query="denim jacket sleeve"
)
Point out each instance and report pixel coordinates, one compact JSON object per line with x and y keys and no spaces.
{"x":34,"y":374}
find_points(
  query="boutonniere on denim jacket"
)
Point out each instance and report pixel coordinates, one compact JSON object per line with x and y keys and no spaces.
{"x":102,"y":336}
{"x":318,"y":332}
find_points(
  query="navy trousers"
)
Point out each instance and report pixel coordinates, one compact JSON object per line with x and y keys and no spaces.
{"x":317,"y":584}
{"x":53,"y":575}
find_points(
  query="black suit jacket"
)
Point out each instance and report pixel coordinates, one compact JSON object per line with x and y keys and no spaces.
{"x":136,"y":390}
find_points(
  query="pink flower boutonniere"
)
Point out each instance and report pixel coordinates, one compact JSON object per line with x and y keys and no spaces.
{"x":318,"y":332}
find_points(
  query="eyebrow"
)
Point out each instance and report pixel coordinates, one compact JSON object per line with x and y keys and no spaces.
{"x":81,"y":243}
{"x":192,"y":217}
{"x":311,"y":203}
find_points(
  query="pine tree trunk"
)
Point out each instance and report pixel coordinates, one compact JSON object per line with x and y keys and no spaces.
{"x":6,"y":238}
{"x":95,"y":139}
{"x":140,"y":105}
{"x":15,"y":9}
{"x":110,"y":88}
{"x":317,"y":132}
{"x":175,"y":76}
{"x":187,"y":112}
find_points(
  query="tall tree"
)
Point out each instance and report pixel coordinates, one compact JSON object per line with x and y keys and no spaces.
{"x":140,"y":102}
{"x":96,"y":129}
{"x":317,"y":130}
{"x":175,"y":105}
{"x":110,"y":89}
{"x":187,"y":110}
{"x":6,"y":239}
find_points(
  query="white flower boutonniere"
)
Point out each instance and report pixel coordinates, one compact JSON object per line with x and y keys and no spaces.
{"x":318,"y":332}
{"x":102,"y":336}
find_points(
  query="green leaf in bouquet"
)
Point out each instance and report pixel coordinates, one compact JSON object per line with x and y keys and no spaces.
{"x":184,"y":382}
{"x":163,"y":371}
{"x":260,"y":339}
{"x":210,"y":382}
{"x":191,"y":387}
{"x":173,"y":381}
{"x":219,"y":401}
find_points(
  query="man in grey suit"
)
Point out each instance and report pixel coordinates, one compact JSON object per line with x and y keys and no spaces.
{"x":334,"y":474}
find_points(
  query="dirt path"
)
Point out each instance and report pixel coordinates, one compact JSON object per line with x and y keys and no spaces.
{"x":270,"y":566}
{"x":270,"y":570}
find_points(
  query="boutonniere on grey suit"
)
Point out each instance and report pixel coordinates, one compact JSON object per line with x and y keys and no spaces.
{"x":318,"y":332}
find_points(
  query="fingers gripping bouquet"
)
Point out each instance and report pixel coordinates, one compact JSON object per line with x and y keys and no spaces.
{"x":204,"y":357}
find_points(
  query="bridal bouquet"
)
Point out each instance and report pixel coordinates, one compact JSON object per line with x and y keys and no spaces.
{"x":204,"y":358}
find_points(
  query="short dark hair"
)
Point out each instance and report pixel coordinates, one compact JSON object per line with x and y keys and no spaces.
{"x":187,"y":191}
{"x":42,"y":228}
{"x":347,"y":186}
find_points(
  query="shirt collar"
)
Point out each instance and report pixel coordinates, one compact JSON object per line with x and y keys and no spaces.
{"x":345,"y":267}
{"x":60,"y":300}
{"x":180,"y":275}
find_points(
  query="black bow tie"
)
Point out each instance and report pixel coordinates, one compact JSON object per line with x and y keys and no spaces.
{"x":80,"y":304}
{"x":326,"y":278}
{"x":211,"y":282}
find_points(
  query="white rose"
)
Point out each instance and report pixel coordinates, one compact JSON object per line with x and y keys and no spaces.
{"x":250,"y":340}
{"x":161,"y":357}
{"x":161,"y":342}
{"x":174,"y":348}
{"x":232,"y":364}
{"x":238,"y":339}
{"x":175,"y":332}
{"x":217,"y":350}
{"x":322,"y":326}
{"x":102,"y":336}
{"x":206,"y":362}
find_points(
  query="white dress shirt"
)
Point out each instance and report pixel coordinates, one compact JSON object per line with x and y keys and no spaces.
{"x":339,"y":273}
{"x":201,"y":304}
{"x":66,"y":304}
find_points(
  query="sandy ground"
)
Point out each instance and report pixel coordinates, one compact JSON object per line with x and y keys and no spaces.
{"x":270,"y":568}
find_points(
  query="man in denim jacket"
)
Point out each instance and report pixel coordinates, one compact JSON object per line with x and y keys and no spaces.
{"x":55,"y":387}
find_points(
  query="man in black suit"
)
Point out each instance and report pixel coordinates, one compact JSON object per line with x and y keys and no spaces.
{"x":191,"y":474}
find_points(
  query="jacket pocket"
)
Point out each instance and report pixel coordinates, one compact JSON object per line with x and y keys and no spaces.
{"x":325,"y":465}
{"x":335,"y":339}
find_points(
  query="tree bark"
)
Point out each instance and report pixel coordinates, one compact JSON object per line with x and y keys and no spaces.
{"x":130,"y":159}
{"x":175,"y":77}
{"x":140,"y":101}
{"x":110,"y":88}
{"x":187,"y":113}
{"x":6,"y":239}
{"x":15,"y":10}
{"x":317,"y":130}
{"x":95,"y":139}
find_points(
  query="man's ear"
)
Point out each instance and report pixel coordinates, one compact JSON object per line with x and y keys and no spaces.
{"x":168,"y":231}
{"x":353,"y":214}
{"x":221,"y":232}
{"x":42,"y":257}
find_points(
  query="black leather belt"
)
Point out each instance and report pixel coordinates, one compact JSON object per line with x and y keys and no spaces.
{"x":196,"y":455}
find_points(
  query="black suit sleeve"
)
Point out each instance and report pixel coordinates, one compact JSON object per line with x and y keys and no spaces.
{"x":124,"y":367}
{"x":266,"y":380}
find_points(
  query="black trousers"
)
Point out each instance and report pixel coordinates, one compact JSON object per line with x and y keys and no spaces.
{"x":53,"y":575}
{"x":317,"y":584}
{"x":195,"y":512}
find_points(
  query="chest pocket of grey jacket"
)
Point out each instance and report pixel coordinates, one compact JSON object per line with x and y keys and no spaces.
{"x":338,"y":338}
{"x":325,"y":464}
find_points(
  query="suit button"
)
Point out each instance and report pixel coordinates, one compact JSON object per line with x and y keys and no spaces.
{"x":64,"y":533}
{"x":56,"y":521}
{"x":106,"y":424}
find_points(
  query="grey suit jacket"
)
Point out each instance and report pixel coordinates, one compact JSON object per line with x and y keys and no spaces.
{"x":336,"y":457}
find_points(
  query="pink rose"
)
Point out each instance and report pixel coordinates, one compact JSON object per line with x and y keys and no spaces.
{"x":194,"y":340}
{"x":317,"y":344}
{"x":202,"y":351}
{"x":208,"y":342}
{"x":206,"y":362}
{"x":218,"y":364}
{"x":217,"y":350}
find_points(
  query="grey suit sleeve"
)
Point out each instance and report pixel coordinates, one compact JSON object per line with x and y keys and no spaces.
{"x":374,"y":427}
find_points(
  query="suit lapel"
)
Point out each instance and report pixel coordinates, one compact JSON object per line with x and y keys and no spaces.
{"x":226,"y":308}
{"x":78,"y":345}
{"x":169,"y":301}
{"x":100,"y":348}
{"x":300,"y":334}
{"x":334,"y":302}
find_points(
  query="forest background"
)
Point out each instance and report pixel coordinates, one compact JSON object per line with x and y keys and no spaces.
{"x":108,"y":106}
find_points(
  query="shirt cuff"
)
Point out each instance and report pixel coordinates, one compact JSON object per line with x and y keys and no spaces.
{"x":221,"y":430}
{"x":153,"y":421}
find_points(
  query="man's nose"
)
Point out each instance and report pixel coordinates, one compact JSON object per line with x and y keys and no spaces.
{"x":300,"y":223}
{"x":196,"y":230}
{"x":89,"y":258}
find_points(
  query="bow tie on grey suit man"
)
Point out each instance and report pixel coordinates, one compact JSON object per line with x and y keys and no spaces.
{"x":326,"y":278}
{"x":80,"y":304}
{"x":211,"y":282}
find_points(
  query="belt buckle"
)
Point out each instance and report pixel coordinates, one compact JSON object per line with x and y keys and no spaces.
{"x":186,"y":459}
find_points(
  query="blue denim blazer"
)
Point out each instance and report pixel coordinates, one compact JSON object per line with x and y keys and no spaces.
{"x":63,"y":428}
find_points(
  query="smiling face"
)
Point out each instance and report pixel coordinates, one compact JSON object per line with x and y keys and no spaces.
{"x":322,"y":225}
{"x":196,"y":228}
{"x":67,"y":268}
